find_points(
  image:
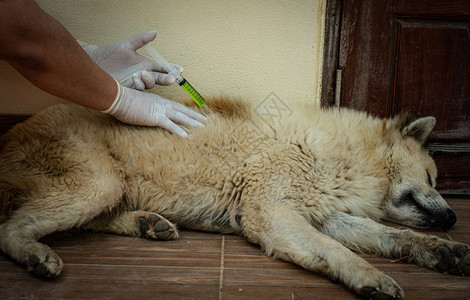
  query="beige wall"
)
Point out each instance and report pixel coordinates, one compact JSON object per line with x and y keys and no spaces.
{"x":241,"y":48}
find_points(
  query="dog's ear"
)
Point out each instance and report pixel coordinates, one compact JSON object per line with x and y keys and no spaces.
{"x":419,"y":129}
{"x":409,"y":126}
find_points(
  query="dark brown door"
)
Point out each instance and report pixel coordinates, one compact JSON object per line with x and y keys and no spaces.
{"x":412,"y":55}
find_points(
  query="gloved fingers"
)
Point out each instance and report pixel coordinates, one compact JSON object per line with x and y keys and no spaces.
{"x":141,"y":39}
{"x":163,"y":79}
{"x":140,"y":108}
{"x":159,"y":76}
{"x":187,"y":111}
{"x":138,"y":84}
{"x":157,"y":67}
{"x":184,"y":119}
{"x":148,"y":79}
{"x":167,"y":124}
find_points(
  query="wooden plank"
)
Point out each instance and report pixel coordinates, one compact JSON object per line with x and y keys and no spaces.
{"x":184,"y":258}
{"x":275,"y":292}
{"x":275,"y":277}
{"x":123,"y":274}
{"x":96,"y":241}
{"x":254,"y":261}
{"x":104,"y":290}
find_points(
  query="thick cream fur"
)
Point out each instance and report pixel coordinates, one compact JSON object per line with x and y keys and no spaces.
{"x":297,"y":186}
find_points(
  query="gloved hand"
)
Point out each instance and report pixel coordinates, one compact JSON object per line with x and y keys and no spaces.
{"x":128,"y":67}
{"x":142,"y":108}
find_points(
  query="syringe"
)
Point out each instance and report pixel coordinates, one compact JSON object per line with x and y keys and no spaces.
{"x":179,"y":78}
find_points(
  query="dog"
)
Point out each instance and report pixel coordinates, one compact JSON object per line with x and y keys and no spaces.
{"x":308,"y":187}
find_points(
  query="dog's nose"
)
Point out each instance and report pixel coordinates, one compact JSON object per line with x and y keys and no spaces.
{"x":450,"y":220}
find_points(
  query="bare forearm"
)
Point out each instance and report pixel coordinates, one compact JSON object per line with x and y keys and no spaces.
{"x":45,"y":53}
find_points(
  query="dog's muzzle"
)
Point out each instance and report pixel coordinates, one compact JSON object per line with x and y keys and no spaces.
{"x":443,"y":220}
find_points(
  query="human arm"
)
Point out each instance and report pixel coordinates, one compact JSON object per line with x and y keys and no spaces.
{"x":41,"y":49}
{"x":46,"y":54}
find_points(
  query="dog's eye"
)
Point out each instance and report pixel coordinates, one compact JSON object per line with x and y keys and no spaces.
{"x":405,"y":199}
{"x":429,"y":179}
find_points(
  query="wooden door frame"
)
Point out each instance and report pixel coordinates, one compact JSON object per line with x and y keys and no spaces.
{"x":331,"y":58}
{"x":331,"y":51}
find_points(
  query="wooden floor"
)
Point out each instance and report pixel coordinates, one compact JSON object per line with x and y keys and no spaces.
{"x":207,"y":266}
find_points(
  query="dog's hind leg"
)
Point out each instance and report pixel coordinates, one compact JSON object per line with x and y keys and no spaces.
{"x":285,"y":233}
{"x":366,"y":235}
{"x":55,"y":206}
{"x":135,"y":223}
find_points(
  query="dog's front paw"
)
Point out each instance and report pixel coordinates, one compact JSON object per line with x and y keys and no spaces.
{"x":44,"y":262}
{"x":157,"y":227}
{"x":454,"y":260}
{"x":384,"y":288}
{"x":369,"y":292}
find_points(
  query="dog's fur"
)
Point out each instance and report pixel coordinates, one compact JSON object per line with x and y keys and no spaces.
{"x":305,"y":187}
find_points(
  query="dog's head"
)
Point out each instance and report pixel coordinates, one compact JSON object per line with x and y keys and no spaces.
{"x":413,"y":200}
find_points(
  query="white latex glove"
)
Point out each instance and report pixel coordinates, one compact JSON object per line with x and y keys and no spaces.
{"x":128,"y":67}
{"x":142,"y":108}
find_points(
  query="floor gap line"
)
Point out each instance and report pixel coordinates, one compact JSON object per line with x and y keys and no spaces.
{"x":221,"y":278}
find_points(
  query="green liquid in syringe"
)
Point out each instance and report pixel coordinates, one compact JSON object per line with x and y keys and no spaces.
{"x":192,"y":92}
